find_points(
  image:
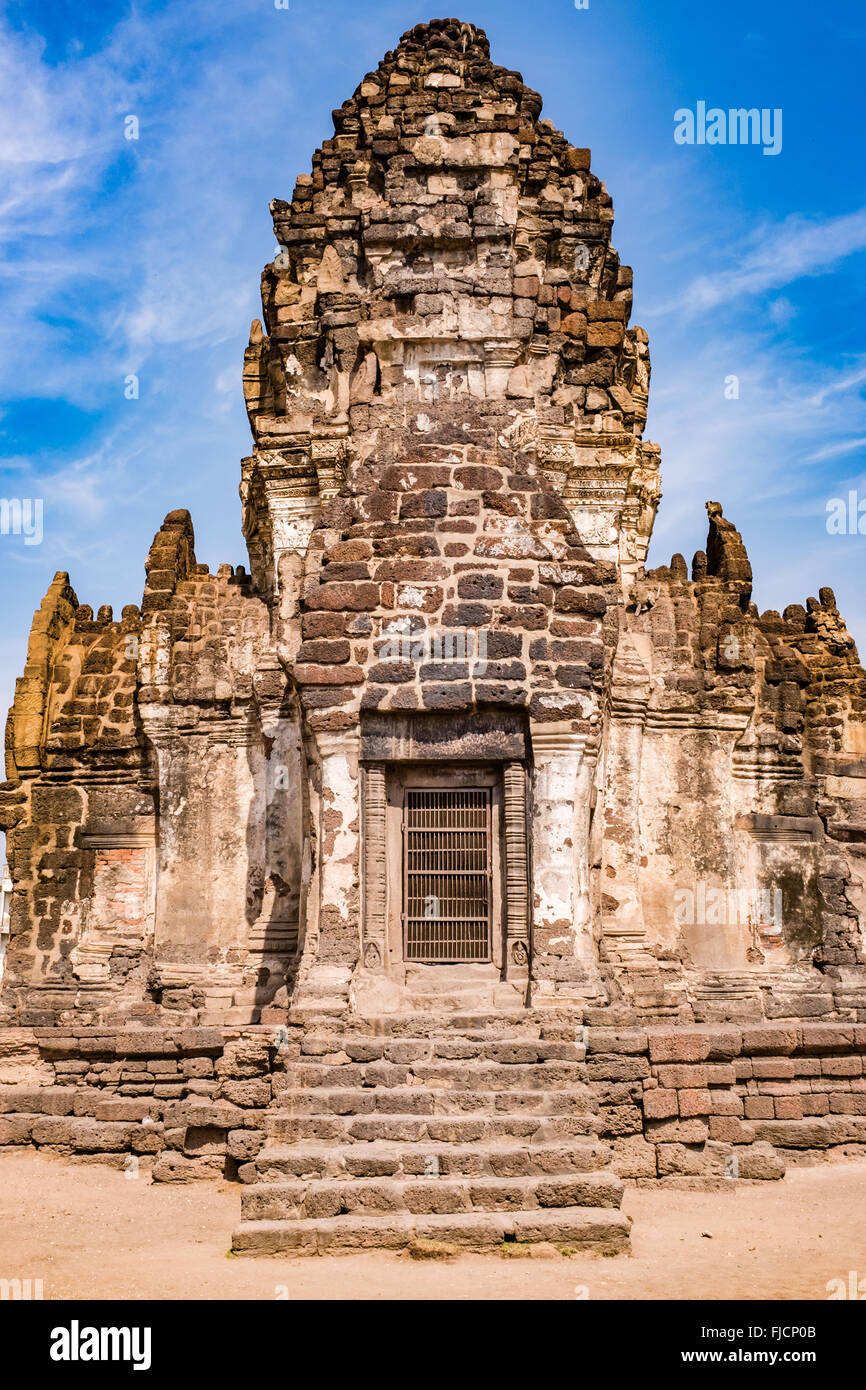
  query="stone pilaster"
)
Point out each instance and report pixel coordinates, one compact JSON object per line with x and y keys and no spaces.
{"x":281,"y":508}
{"x":212,"y":781}
{"x":565,"y":964}
{"x":517,"y":945}
{"x":375,"y":868}
{"x":332,"y":943}
{"x":622,"y":913}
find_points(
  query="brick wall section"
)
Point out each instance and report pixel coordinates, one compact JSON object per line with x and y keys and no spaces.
{"x":460,"y":544}
{"x":192,"y":1097}
{"x":673,"y":1104}
{"x":799,"y":670}
{"x":797,"y":677}
{"x":120,"y":881}
{"x":214,"y":626}
{"x":687,"y":1103}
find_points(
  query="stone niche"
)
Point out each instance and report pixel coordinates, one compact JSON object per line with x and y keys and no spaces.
{"x":118,"y":917}
{"x":231,"y":803}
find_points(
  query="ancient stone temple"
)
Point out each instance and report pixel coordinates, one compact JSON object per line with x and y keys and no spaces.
{"x":446,"y":765}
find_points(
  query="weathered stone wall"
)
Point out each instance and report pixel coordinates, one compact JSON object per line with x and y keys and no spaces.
{"x":731,"y":875}
{"x":154,"y":802}
{"x":469,"y":592}
{"x":477,"y":556}
{"x":75,"y":763}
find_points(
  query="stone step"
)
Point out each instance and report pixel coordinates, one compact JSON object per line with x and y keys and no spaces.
{"x":464,"y":995}
{"x":458,"y":1075}
{"x":331,"y":1197}
{"x":424,"y":1023}
{"x":596,"y":1229}
{"x":421,"y":1100}
{"x":432,"y":983}
{"x":328,"y":1049}
{"x":466,"y":972}
{"x":413,"y":1129}
{"x":362,"y":1160}
{"x":238,"y":1014}
{"x":459,"y":999}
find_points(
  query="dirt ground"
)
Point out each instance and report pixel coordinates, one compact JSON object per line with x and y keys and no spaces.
{"x":89,"y":1231}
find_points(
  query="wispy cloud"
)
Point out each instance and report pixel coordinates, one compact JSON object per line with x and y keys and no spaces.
{"x":776,"y":255}
{"x":55,"y":130}
{"x":838,"y":450}
{"x":841,"y":384}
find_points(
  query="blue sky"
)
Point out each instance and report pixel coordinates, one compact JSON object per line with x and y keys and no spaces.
{"x":144,"y":257}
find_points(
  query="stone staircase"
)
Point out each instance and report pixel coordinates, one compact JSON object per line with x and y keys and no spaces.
{"x":469,"y":1131}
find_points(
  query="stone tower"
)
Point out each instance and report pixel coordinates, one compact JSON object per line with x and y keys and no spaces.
{"x":448,"y":744}
{"x":447,"y":407}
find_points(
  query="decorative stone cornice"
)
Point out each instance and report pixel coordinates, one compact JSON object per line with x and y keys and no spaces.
{"x":134,"y":839}
{"x":551,"y":741}
{"x":164,"y":725}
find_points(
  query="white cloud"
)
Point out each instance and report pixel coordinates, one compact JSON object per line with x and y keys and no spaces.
{"x":782,"y":311}
{"x":55,"y":129}
{"x":838,"y":450}
{"x":841,"y":383}
{"x":776,"y":255}
{"x":758,"y":457}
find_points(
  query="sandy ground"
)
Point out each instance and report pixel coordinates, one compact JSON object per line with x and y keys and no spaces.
{"x":89,"y":1231}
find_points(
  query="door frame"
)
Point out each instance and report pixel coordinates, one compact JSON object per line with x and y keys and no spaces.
{"x":399,"y":778}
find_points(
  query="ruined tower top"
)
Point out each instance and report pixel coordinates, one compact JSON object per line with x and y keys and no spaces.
{"x":446,"y":273}
{"x":442,"y":36}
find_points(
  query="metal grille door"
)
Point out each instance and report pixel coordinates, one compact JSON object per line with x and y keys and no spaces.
{"x":447,"y":874}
